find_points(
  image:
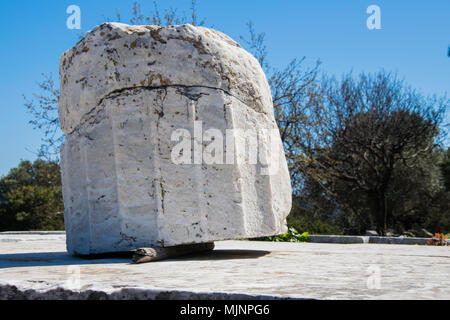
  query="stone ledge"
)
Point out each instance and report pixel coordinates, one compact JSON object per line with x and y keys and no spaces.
{"x":367,"y":239}
{"x":37,"y":266}
{"x":338,"y":239}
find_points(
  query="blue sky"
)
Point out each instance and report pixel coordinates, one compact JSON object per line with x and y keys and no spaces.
{"x":413,"y":42}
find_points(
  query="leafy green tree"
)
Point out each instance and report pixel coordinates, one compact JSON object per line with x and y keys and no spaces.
{"x":31,"y":197}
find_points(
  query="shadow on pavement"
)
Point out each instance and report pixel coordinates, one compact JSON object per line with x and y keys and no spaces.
{"x":15,"y":260}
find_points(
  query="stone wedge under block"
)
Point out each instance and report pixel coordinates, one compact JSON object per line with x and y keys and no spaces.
{"x":124,"y":184}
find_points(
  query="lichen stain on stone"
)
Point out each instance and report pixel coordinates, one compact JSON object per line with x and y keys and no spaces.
{"x":196,"y":42}
{"x":159,"y":80}
{"x":113,"y":37}
{"x":133,"y":44}
{"x":155,"y":35}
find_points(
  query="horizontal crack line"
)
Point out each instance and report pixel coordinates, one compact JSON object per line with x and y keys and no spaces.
{"x":117,"y":92}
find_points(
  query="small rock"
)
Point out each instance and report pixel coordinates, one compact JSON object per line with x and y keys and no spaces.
{"x":423,"y":233}
{"x":391,"y":233}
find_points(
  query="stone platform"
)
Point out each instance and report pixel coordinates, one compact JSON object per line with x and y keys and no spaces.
{"x":36,"y":266}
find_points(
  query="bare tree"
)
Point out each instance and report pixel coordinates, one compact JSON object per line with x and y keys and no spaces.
{"x":169,"y":17}
{"x":365,"y":131}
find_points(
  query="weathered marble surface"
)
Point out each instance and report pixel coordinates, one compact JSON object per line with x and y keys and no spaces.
{"x":124,"y":91}
{"x":39,"y":267}
{"x":114,"y":56}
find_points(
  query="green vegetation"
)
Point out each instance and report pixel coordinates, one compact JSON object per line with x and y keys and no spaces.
{"x":31,"y":198}
{"x":291,"y":236}
{"x":313,"y":225}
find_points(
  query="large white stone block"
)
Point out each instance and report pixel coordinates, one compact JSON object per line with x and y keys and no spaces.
{"x":131,"y":97}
